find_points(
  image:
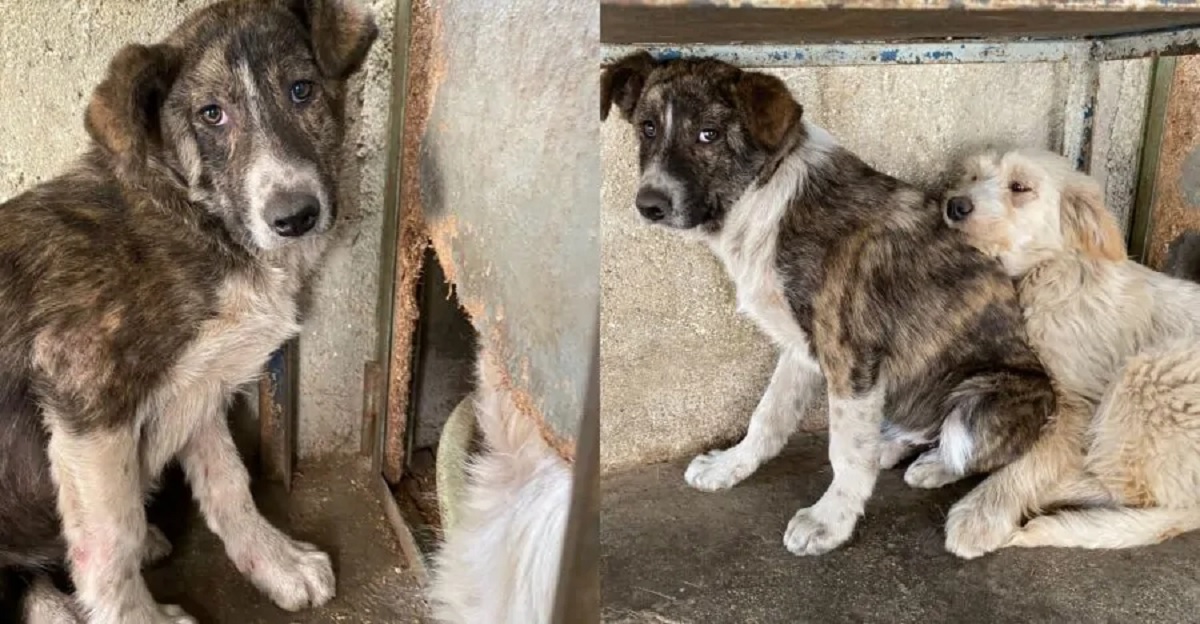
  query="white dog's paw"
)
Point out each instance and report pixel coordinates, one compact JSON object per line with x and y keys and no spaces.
{"x":1035,"y":533}
{"x":293,"y":574}
{"x":156,"y":547}
{"x":810,"y":532}
{"x":929,"y":474}
{"x":718,"y":470}
{"x":973,"y":530}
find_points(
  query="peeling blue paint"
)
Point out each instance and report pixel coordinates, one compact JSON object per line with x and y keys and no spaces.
{"x":939,"y":55}
{"x":889,"y":55}
{"x":669,"y":54}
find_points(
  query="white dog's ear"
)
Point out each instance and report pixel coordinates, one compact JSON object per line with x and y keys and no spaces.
{"x":1086,"y":223}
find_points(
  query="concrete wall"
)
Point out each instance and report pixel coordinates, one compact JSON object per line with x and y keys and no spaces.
{"x":53,"y":52}
{"x":680,"y":370}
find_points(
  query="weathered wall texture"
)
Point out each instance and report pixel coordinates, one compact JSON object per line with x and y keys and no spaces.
{"x":53,"y":52}
{"x":680,"y":370}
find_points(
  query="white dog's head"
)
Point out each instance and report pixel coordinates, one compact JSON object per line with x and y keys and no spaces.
{"x":1026,"y":206}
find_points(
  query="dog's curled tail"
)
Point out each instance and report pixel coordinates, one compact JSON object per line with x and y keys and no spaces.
{"x":499,"y":562}
{"x":1107,"y":528}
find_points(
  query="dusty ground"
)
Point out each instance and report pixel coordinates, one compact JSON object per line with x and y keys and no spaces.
{"x":673,"y":554}
{"x":331,"y":506}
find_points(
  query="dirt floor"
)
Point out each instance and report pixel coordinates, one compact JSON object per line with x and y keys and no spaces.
{"x":673,"y":554}
{"x":333,"y":506}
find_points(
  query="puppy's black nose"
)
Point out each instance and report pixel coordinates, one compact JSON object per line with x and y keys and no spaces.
{"x":293,"y":214}
{"x":957,"y":208}
{"x":652,"y":203}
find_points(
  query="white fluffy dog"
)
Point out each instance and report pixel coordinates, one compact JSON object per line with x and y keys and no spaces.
{"x":500,"y":561}
{"x":1123,"y":344}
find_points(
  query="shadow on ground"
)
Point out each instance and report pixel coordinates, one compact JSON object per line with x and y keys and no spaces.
{"x":673,"y":554}
{"x":333,"y":506}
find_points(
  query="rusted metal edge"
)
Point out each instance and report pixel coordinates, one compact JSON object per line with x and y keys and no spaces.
{"x":577,"y":599}
{"x":1164,"y":6}
{"x":277,"y":414}
{"x":1152,"y":138}
{"x":855,"y":54}
{"x":1122,"y":47}
{"x":1168,"y":43}
{"x":412,"y":557}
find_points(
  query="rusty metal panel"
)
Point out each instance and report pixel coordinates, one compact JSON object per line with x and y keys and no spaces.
{"x":1175,"y":196}
{"x":501,"y":137}
{"x":799,"y":21}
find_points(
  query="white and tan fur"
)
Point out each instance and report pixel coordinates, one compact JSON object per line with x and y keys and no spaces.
{"x":1123,"y":345}
{"x":500,"y":561}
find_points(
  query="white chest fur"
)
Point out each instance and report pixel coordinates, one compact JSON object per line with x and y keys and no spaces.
{"x":255,"y":317}
{"x":747,"y":245}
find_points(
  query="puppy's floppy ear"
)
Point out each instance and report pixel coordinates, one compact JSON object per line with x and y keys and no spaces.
{"x":1086,"y":223}
{"x":123,"y":115}
{"x":342,"y":33}
{"x":769,"y":108}
{"x":621,"y":83}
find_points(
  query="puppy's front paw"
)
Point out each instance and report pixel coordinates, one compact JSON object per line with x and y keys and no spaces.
{"x":293,"y":574}
{"x":718,"y":470}
{"x":812,"y":532}
{"x":174,"y":614}
{"x":973,"y":530}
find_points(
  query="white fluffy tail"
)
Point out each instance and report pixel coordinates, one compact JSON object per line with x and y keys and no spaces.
{"x":499,"y":563}
{"x":1107,"y":527}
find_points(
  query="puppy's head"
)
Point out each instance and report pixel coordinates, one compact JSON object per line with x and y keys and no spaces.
{"x":242,"y":106}
{"x":707,"y":132}
{"x":1024,"y":206}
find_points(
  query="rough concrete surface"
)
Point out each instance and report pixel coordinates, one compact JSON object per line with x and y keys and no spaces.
{"x":673,"y":555}
{"x":52,"y":54}
{"x":334,"y":506}
{"x":680,"y":370}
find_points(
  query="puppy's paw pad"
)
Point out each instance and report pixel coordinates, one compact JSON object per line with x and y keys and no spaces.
{"x":810,"y":534}
{"x":928,"y":475}
{"x":975,"y":531}
{"x":174,"y":614}
{"x":295,"y":575}
{"x":718,"y":470}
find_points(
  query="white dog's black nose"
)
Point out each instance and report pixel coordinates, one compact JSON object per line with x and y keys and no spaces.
{"x":652,"y":203}
{"x":293,"y":214}
{"x":957,"y":208}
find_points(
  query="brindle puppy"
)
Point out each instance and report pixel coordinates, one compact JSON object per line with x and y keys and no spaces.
{"x":140,"y":288}
{"x":851,"y":272}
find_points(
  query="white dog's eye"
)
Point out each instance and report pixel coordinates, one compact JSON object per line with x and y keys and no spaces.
{"x":1017,"y":187}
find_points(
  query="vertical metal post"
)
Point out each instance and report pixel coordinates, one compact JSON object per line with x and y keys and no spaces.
{"x":277,"y":414}
{"x":578,"y":597}
{"x":1083,"y":85}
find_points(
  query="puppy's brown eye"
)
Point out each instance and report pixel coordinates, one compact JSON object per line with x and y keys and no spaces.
{"x":648,"y":129}
{"x":302,"y":91}
{"x":1017,"y":187}
{"x":708,"y":135}
{"x":213,"y":115}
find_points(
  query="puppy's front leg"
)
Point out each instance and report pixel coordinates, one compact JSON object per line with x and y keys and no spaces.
{"x":100,"y":500}
{"x":293,"y":574}
{"x":773,"y":422}
{"x":854,"y":451}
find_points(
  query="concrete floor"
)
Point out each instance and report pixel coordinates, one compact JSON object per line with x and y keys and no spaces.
{"x":333,"y":506}
{"x":673,"y":554}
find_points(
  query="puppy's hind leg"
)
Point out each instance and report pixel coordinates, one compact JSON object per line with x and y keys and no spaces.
{"x":773,"y":422}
